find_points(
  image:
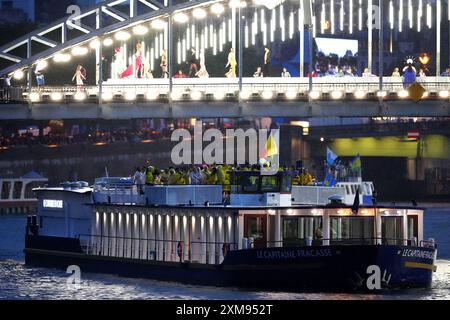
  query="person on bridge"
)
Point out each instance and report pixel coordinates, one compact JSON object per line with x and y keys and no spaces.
{"x":202,"y":73}
{"x":39,"y":79}
{"x":163,"y":64}
{"x":446,"y":73}
{"x":422,"y":73}
{"x":285,"y":73}
{"x":180,"y":74}
{"x":396,"y":73}
{"x":7,"y":87}
{"x":134,"y":68}
{"x":409,"y":75}
{"x":232,"y":64}
{"x":258,"y":73}
{"x":367,"y":73}
{"x":266,"y":67}
{"x":79,"y":76}
{"x":192,"y":61}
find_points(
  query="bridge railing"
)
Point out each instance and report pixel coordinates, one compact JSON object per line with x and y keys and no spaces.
{"x":218,"y":89}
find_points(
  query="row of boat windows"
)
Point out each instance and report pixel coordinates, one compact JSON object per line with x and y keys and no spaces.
{"x":258,"y":183}
{"x":14,"y":210}
{"x":351,"y":189}
{"x":344,"y":229}
{"x":17,"y":190}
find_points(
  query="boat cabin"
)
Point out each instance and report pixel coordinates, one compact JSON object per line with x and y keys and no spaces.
{"x":194,"y":224}
{"x":16,"y":194}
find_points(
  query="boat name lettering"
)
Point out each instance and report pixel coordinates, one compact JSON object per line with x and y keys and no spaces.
{"x":418,"y":254}
{"x":292,"y":254}
{"x":50,"y":203}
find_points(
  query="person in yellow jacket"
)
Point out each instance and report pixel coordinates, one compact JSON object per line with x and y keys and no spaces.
{"x":296,"y":180}
{"x":182,"y":179}
{"x":305,"y":178}
{"x":164,"y":177}
{"x":173,"y":177}
{"x":227,"y":179}
{"x":220,"y":175}
{"x":157,"y":177}
{"x":149,"y":177}
{"x":211,"y":176}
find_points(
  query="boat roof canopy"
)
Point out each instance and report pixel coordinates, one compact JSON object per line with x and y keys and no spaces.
{"x":33,"y":175}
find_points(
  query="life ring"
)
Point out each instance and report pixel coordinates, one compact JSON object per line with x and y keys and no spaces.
{"x":180,"y":249}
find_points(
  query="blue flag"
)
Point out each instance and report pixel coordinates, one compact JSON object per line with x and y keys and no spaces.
{"x":331,"y":156}
{"x":329,"y":181}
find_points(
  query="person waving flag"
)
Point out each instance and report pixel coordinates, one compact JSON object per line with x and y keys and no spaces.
{"x":331,"y":156}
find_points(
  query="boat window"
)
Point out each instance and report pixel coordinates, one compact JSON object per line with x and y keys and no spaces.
{"x":286,"y":184}
{"x":255,"y":228}
{"x":269,"y":184}
{"x":250,"y":183}
{"x":392,"y":230}
{"x":347,"y":189}
{"x":6,"y":186}
{"x":29,"y":194}
{"x":412,"y":227}
{"x":17,"y":189}
{"x":296,"y":230}
{"x":351,"y":230}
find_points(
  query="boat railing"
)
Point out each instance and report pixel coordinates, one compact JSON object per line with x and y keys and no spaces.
{"x":210,"y":252}
{"x":118,"y":193}
{"x":306,"y":242}
{"x":207,"y":252}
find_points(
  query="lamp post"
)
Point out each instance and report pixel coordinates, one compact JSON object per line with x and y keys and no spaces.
{"x":241,"y":48}
{"x":381,"y":47}
{"x":170,"y":53}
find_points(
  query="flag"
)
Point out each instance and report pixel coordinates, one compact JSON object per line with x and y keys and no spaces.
{"x":413,"y":134}
{"x":271,"y":146}
{"x":356,"y":163}
{"x":331,"y":156}
{"x":329,"y":181}
{"x":355,"y":206}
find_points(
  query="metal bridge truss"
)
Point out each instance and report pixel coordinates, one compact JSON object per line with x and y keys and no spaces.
{"x":91,"y":23}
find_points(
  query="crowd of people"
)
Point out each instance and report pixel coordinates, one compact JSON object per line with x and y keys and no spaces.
{"x":205,"y":175}
{"x":66,"y":138}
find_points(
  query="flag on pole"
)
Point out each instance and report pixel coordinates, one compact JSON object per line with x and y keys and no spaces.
{"x":356,"y":163}
{"x":271,"y":146}
{"x":331,"y":156}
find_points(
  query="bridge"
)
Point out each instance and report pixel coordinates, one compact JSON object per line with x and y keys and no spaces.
{"x":125,"y":41}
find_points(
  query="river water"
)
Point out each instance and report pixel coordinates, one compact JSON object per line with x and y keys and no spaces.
{"x":20,"y":282}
